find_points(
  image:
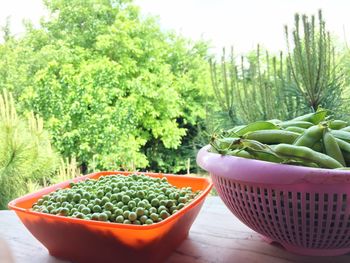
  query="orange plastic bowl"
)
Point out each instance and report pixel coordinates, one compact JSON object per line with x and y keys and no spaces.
{"x":81,"y":240}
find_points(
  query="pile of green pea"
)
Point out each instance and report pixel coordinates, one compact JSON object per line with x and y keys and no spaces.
{"x":135,"y":199}
{"x":313,"y":140}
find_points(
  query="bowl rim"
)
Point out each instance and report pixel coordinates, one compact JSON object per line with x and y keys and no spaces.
{"x":12,"y":205}
{"x":257,"y":171}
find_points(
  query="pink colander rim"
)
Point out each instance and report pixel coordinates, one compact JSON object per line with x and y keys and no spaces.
{"x":255,"y":171}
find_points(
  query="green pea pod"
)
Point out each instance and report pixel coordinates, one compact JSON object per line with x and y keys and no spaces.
{"x":337,"y":124}
{"x":222,"y":145}
{"x":301,"y":163}
{"x":340,"y":134}
{"x":275,"y":121}
{"x":240,"y":153}
{"x":343,"y":168}
{"x":272,"y":136}
{"x":314,"y":117}
{"x":346,"y":157}
{"x":332,"y":148}
{"x":343,"y":145}
{"x":318,"y":147}
{"x":228,"y":143}
{"x":255,"y":126}
{"x":264,"y":156}
{"x":347,"y":129}
{"x":254,"y":145}
{"x":300,"y":124}
{"x":235,"y":129}
{"x":295,"y":129}
{"x":305,"y":153}
{"x":311,"y":136}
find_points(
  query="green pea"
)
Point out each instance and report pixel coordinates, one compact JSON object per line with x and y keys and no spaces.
{"x":119,"y":212}
{"x":125,"y":199}
{"x":102,"y":217}
{"x":164,"y":214}
{"x":126,"y":214}
{"x":155,"y":202}
{"x":100,"y":194}
{"x":161,"y":208}
{"x":143,"y":219}
{"x":104,"y":200}
{"x":108,"y":213}
{"x":154,"y":217}
{"x":87,"y":196}
{"x":132,"y":216}
{"x":127,"y":221}
{"x":137,"y":222}
{"x":108,"y":206}
{"x":95,"y":216}
{"x":80,"y":215}
{"x":114,"y":197}
{"x":96,"y":209}
{"x":182,"y":200}
{"x":76,"y":197}
{"x":140,"y":211}
{"x":149,"y":221}
{"x":86,"y":211}
{"x":97,"y":201}
{"x":180,"y":206}
{"x":131,"y":204}
{"x":119,"y":219}
{"x":153,"y":210}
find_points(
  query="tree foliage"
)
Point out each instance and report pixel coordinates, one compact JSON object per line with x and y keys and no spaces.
{"x":111,"y":86}
{"x":25,"y":151}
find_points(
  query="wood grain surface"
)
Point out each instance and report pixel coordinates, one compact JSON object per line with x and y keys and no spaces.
{"x":215,"y":237}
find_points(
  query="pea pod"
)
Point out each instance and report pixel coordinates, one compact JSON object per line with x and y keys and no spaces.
{"x":318,"y":147}
{"x":240,"y":153}
{"x":347,"y":129}
{"x":301,"y":163}
{"x":275,"y":121}
{"x":296,"y":123}
{"x":272,"y":136}
{"x":258,"y":155}
{"x":311,"y":136}
{"x":337,"y":124}
{"x":234,"y":129}
{"x":340,"y":134}
{"x":305,"y":153}
{"x":346,"y":157}
{"x":314,"y":117}
{"x":332,"y":148}
{"x":343,"y":145}
{"x":255,"y":126}
{"x":295,"y":129}
{"x":227,"y":143}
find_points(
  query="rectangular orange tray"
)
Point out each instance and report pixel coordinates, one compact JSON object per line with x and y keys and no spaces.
{"x":87,"y":241}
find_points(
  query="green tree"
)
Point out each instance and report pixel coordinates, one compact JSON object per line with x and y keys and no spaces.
{"x":25,"y":151}
{"x":112,"y":87}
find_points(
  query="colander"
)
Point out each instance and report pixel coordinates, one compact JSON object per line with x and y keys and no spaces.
{"x":306,"y":210}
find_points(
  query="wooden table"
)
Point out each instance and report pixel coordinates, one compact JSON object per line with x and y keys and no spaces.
{"x":216,"y":236}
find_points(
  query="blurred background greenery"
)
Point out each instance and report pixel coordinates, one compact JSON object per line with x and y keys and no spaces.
{"x":99,"y":87}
